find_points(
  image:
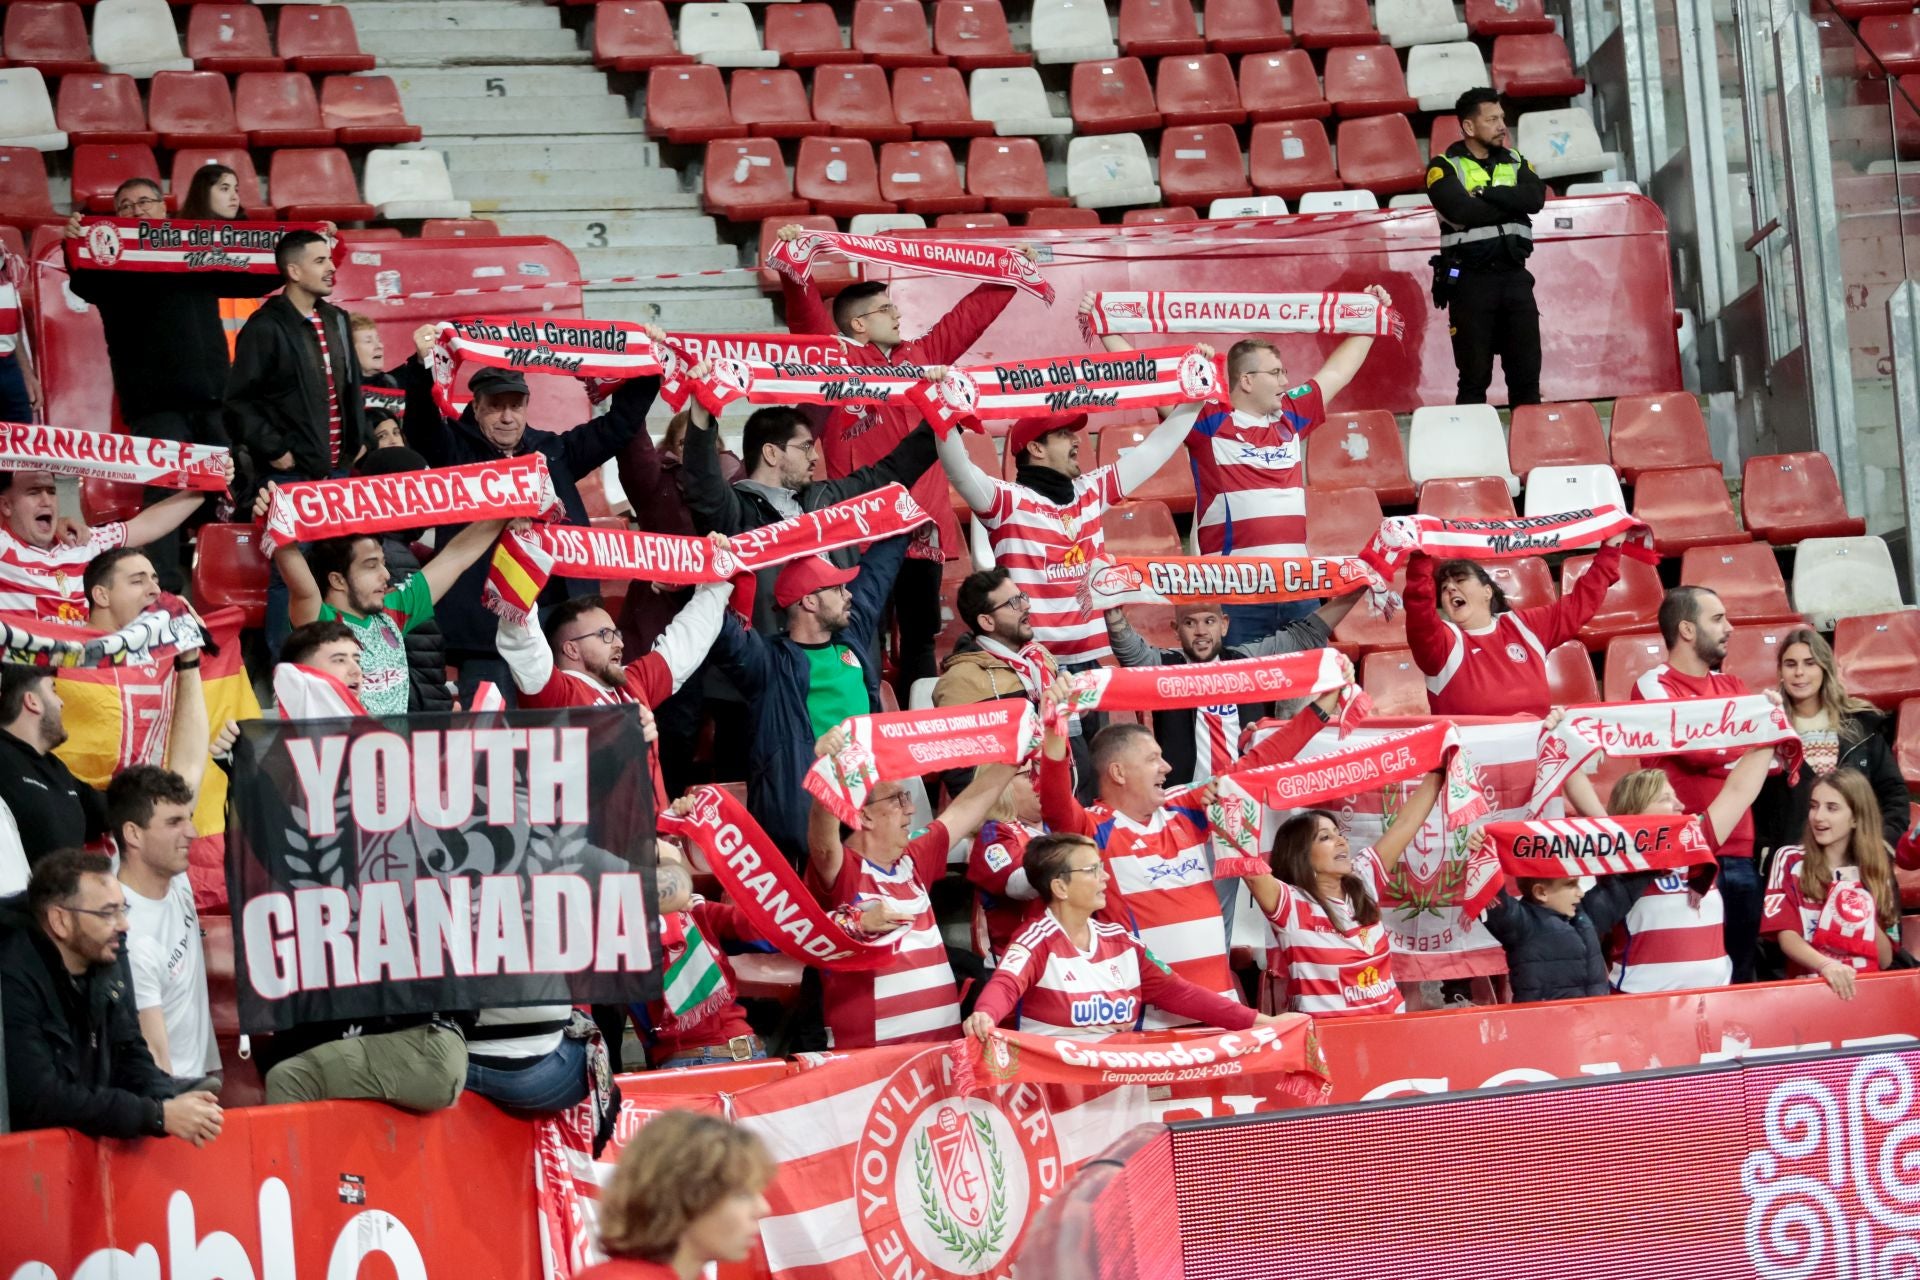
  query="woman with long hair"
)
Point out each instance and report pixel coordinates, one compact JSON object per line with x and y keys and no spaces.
{"x":1480,"y":657}
{"x":1323,"y":901}
{"x":688,"y":1191}
{"x":214,"y":193}
{"x":1838,"y":731}
{"x":1832,"y":902}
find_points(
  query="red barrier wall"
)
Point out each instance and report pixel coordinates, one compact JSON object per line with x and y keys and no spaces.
{"x":1605,"y":293}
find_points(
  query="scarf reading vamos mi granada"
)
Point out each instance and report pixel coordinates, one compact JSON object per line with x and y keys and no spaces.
{"x":100,"y":455}
{"x":317,"y":509}
{"x":758,"y":880}
{"x":1138,"y":311}
{"x":176,"y":244}
{"x":601,"y":350}
{"x":962,"y":259}
{"x":1098,"y":382}
{"x":1286,"y":1047}
{"x":1400,"y":536}
{"x":1556,"y":848}
{"x":1669,"y":728}
{"x":908,"y":744}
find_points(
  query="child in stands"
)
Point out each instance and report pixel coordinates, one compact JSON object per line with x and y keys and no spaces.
{"x":1833,"y":903}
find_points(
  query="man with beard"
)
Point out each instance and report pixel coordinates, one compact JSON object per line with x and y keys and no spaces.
{"x":54,"y":809}
{"x":998,"y":658}
{"x":1201,"y":742}
{"x":44,"y":558}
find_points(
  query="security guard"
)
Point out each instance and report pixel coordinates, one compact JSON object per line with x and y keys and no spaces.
{"x":1486,"y":195}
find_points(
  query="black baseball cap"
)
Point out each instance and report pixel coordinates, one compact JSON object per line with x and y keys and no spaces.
{"x":491,"y":381}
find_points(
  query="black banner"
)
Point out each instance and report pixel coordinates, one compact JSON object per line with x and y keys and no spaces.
{"x":449,"y":863}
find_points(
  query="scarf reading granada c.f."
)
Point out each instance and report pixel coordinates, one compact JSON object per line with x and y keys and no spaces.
{"x":101,"y":455}
{"x":1228,"y":579}
{"x":1558,"y":848}
{"x":965,"y":259}
{"x":1153,"y":311}
{"x":508,"y":488}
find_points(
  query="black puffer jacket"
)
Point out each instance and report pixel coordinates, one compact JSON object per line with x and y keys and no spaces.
{"x":426,"y":645}
{"x":1780,"y":812}
{"x":1556,"y":957}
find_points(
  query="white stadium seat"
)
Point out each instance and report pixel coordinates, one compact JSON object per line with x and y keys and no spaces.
{"x":411,"y":184}
{"x":1015,"y":100}
{"x":1071,"y":31}
{"x":1437,"y":74}
{"x":723,"y":35}
{"x":1404,"y":23}
{"x":1557,"y":143}
{"x":873,"y":224}
{"x":1338,"y":202}
{"x":1551,"y":490}
{"x":1454,"y":440}
{"x":1109,"y":171}
{"x":1412,"y":200}
{"x":137,"y":38}
{"x":26,"y":112}
{"x":1836,"y":578}
{"x":1620,"y":188}
{"x":1247,"y":207}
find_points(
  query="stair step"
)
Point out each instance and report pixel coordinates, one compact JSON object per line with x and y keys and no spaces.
{"x":448,"y":48}
{"x":492,"y":81}
{"x":598,"y":264}
{"x":697,"y":311}
{"x":546,"y":201}
{"x":455,"y":15}
{"x":586,"y":151}
{"x":586,"y":188}
{"x":592,"y":230}
{"x":584,"y":111}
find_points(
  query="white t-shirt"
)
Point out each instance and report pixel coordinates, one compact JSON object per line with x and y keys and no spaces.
{"x":170,"y":971}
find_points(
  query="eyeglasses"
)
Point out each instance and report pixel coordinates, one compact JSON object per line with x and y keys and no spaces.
{"x":1278,"y":371}
{"x":118,"y":911}
{"x":806,"y":446}
{"x":605,"y":635}
{"x":1018,"y":600}
{"x":124,"y":207}
{"x":887,"y":308}
{"x":1095,"y":870}
{"x":900,"y":798}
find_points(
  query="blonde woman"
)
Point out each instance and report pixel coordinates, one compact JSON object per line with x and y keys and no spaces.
{"x":1833,"y":903}
{"x":688,"y":1191}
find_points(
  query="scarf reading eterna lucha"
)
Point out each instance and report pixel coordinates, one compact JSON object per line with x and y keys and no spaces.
{"x":101,"y":455}
{"x":1137,"y":311}
{"x":909,"y":744}
{"x":963,"y":259}
{"x":169,"y":244}
{"x":602,"y":350}
{"x":509,"y":488}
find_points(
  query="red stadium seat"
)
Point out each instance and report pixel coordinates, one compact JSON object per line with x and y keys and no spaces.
{"x":1443,"y":133}
{"x":1340,"y":522}
{"x":965,"y":221}
{"x":817,"y":177}
{"x":49,"y":35}
{"x":1753,"y":653}
{"x":806,"y":35}
{"x":857,"y":103}
{"x":229,"y":570}
{"x":1658,"y":431}
{"x":893,"y":33}
{"x":1245,"y":26}
{"x":1789,"y":496}
{"x":230,"y":38}
{"x":1171,"y":484}
{"x":1359,"y":450}
{"x":365,"y":111}
{"x":1555,"y":435}
{"x":1507,"y":17}
{"x":1395,"y":684}
{"x":1197,"y":89}
{"x":1628,"y":658}
{"x":1536,"y":66}
{"x":279,"y":109}
{"x":1367,"y":82}
{"x":1894,"y":39}
{"x":1112,"y":96}
{"x":933,"y":102}
{"x":193,"y":109}
{"x":921,"y":177}
{"x":1467,"y":498}
{"x":1379,"y":154}
{"x":828,"y":277}
{"x":1282,"y":86}
{"x":1159,"y":217}
{"x":316,"y":184}
{"x":1158,"y":29}
{"x":689,"y":104}
{"x":974,"y":34}
{"x":1201,"y":164}
{"x":457,"y":228}
{"x":1906,"y":746}
{"x":1570,"y":679}
{"x":320,"y":37}
{"x":1854,"y":10}
{"x":1288,"y":158}
{"x":1068,"y":217}
{"x":1527,"y":581}
{"x":637,"y":35}
{"x":1324,"y":24}
{"x":1878,"y":656}
{"x":234,"y":158}
{"x":772,"y":103}
{"x":1367,"y":631}
{"x":1687,"y":507}
{"x":104,"y":500}
{"x":1011,"y":174}
{"x":102,"y":108}
{"x":1747,"y":579}
{"x":97,"y":170}
{"x":1631,"y":604}
{"x":1141,"y":529}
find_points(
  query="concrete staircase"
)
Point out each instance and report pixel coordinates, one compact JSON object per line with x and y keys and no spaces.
{"x":540,"y":143}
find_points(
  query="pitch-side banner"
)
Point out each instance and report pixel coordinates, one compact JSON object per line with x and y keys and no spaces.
{"x":476,"y":861}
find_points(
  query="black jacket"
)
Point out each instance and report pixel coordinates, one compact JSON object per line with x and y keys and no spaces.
{"x":1780,"y":812}
{"x":166,"y":346}
{"x":1491,"y":208}
{"x":426,"y":643}
{"x":52,"y":808}
{"x":1552,"y":957}
{"x":75,"y":1055}
{"x":448,"y":442}
{"x":277,"y":395}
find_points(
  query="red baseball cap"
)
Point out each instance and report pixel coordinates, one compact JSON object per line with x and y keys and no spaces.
{"x":1027,"y":430}
{"x":806,"y":575}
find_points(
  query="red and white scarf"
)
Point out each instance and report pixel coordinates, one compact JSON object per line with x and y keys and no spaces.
{"x":1846,"y":928}
{"x":169,"y":627}
{"x":318,"y":509}
{"x":828,"y":384}
{"x":100,"y":455}
{"x":1287,"y":1047}
{"x":1557,"y":848}
{"x":308,"y":693}
{"x":1125,"y":580}
{"x":383,"y":402}
{"x":909,"y":744}
{"x":1099,"y":382}
{"x":1400,"y":536}
{"x":175,"y":244}
{"x":962,"y":259}
{"x":602,"y":350}
{"x":1669,"y":728}
{"x":686,"y":350}
{"x":1141,"y":311}
{"x":758,"y":879}
{"x":1204,"y":684}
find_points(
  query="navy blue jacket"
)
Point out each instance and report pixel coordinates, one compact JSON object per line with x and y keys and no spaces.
{"x":1553,"y":957}
{"x":773,"y":676}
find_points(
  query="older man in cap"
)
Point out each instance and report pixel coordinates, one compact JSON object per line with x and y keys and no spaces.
{"x":493,"y":427}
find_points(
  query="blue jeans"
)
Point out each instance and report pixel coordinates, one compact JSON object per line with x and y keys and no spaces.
{"x":1741,"y":897}
{"x":1247,"y":623}
{"x":554,"y":1083}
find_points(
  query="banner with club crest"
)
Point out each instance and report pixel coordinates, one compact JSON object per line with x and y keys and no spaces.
{"x":473,"y":861}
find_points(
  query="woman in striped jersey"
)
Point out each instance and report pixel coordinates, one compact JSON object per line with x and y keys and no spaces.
{"x":1070,"y":975}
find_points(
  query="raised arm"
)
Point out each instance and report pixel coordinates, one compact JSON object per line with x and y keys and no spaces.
{"x":163,"y":517}
{"x":1174,"y":994}
{"x":1434,"y":641}
{"x":1394,"y":841}
{"x":1561,"y":621}
{"x":1059,"y":809}
{"x":715,"y":507}
{"x":1347,"y":358}
{"x":969,"y":481}
{"x":461,"y":551}
{"x":964,"y":814}
{"x":594,"y":442}
{"x":1738,"y":792}
{"x":1137,"y":465}
{"x":1129,"y":648}
{"x":955,"y":332}
{"x":190,"y":737}
{"x":687,"y":640}
{"x":824,"y":852}
{"x":1293,"y":735}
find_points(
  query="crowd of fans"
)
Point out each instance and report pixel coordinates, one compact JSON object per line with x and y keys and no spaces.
{"x":1089,"y":883}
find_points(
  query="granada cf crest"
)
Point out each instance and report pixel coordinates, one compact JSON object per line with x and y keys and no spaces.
{"x":104,"y":240}
{"x":946,"y":1183}
{"x":1196,"y":374}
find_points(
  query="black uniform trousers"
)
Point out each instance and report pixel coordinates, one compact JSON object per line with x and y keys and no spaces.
{"x":1492,"y":313}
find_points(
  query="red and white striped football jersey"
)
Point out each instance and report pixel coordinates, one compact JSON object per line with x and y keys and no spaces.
{"x":1248,"y":486}
{"x":1674,"y":939}
{"x":915,"y":997}
{"x":1046,"y":548}
{"x":46,"y":583}
{"x":1786,"y":908}
{"x":1334,"y":967}
{"x":1082,"y":995}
